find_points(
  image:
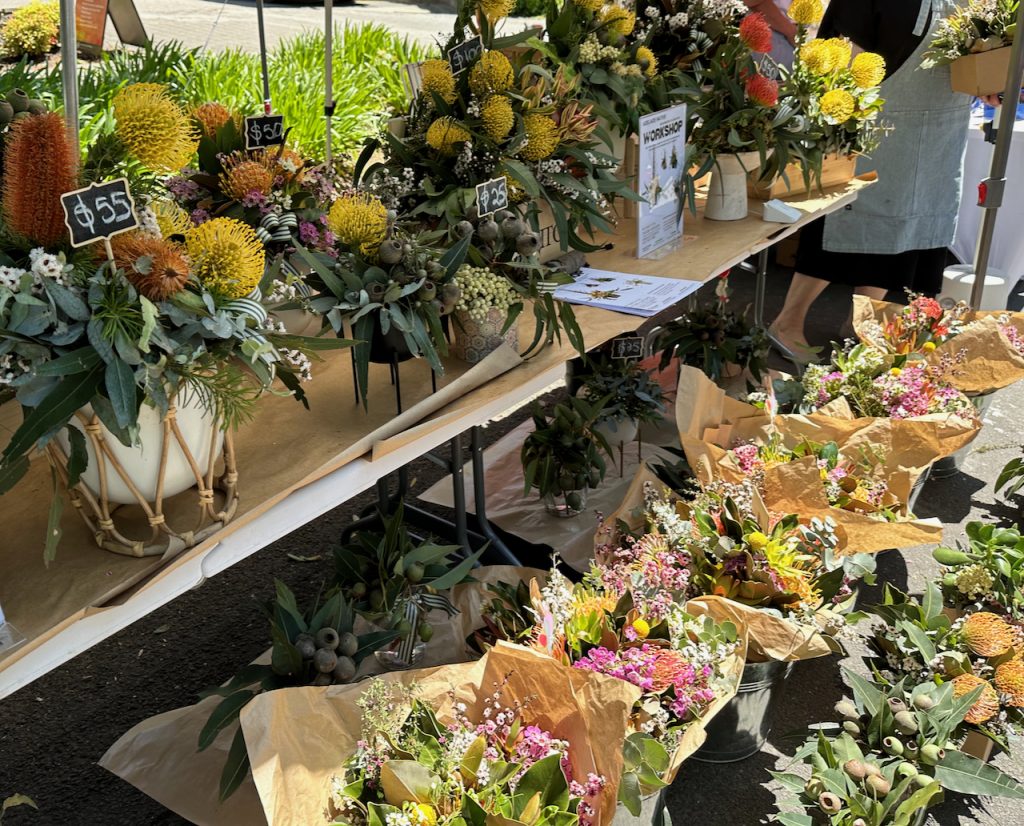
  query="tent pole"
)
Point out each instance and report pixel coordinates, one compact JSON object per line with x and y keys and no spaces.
{"x":990,"y":192}
{"x":328,"y":77}
{"x":69,"y":69}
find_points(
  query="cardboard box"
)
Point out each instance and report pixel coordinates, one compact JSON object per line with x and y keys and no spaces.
{"x":979,"y":74}
{"x":835,"y":170}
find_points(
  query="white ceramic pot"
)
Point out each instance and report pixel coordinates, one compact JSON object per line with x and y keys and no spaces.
{"x":141,"y":462}
{"x":727,"y":190}
{"x":617,"y":431}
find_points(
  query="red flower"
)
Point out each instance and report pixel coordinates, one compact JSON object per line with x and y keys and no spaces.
{"x":929,"y":306}
{"x":762,"y":90}
{"x":756,"y":33}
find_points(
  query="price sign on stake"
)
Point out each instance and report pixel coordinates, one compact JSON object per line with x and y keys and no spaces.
{"x":462,"y":56}
{"x":491,"y":196}
{"x":628,"y":347}
{"x":99,"y":211}
{"x":262,"y":131}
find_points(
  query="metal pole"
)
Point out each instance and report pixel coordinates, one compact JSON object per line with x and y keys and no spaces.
{"x":69,"y":69}
{"x":990,"y":192}
{"x":328,"y":76}
{"x":263,"y":58}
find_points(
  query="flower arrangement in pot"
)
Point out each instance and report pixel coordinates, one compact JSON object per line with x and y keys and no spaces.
{"x":975,"y":42}
{"x":562,"y":456}
{"x":633,"y":397}
{"x":985,"y":573}
{"x":719,"y":341}
{"x":485,"y":314}
{"x":154,"y":353}
{"x":683,"y":34}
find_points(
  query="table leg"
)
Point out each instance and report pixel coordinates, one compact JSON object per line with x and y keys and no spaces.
{"x":480,"y":500}
{"x":459,"y":493}
{"x":760,"y":286}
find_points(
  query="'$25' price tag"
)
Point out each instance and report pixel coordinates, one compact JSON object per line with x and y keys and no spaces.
{"x":98,"y":211}
{"x":491,"y":196}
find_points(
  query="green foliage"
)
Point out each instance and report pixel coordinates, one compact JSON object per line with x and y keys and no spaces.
{"x":628,"y":387}
{"x":31,"y":30}
{"x":530,"y":8}
{"x":988,"y":569}
{"x":563,"y":453}
{"x":507,"y":616}
{"x":1011,"y":478}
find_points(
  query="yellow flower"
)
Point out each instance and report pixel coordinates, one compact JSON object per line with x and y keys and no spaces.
{"x":444,"y":133}
{"x":170,"y":217}
{"x":617,"y":21}
{"x":424,"y":814}
{"x":359,"y":220}
{"x":806,"y":12}
{"x":647,"y":62}
{"x":541,"y":137}
{"x":153,"y":127}
{"x":817,"y":57}
{"x":837,"y":105}
{"x":895,"y":371}
{"x":211,"y":117}
{"x":642,"y":628}
{"x":497,"y":117}
{"x":226,"y":257}
{"x":589,"y":5}
{"x":497,"y":9}
{"x":436,"y":78}
{"x":928,"y":347}
{"x":840,"y":50}
{"x":757,"y":540}
{"x":868,"y":70}
{"x":491,"y":75}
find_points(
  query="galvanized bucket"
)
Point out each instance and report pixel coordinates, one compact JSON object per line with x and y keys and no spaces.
{"x":652,"y":812}
{"x":951,"y":465}
{"x":740,"y":729}
{"x":915,"y":492}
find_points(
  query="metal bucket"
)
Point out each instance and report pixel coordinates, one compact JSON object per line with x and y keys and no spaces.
{"x":951,"y":465}
{"x":740,"y":729}
{"x":652,"y":812}
{"x":915,"y":492}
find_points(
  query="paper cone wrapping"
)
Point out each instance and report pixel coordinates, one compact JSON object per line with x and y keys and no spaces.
{"x":299,"y":738}
{"x":991,"y":362}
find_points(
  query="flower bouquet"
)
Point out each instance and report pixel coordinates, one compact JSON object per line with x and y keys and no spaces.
{"x":485,"y":314}
{"x":986,"y":573}
{"x":975,"y":42}
{"x":987,"y":346}
{"x":632,"y":396}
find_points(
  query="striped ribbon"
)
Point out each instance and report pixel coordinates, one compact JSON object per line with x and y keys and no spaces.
{"x":421,"y":603}
{"x":252,"y":307}
{"x":279,"y":228}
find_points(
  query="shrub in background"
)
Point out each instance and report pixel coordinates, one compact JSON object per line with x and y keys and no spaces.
{"x":31,"y":30}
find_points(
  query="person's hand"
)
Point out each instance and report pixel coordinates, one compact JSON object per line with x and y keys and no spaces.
{"x":995,"y":101}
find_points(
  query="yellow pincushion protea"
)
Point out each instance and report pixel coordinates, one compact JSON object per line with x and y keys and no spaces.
{"x":647,"y":61}
{"x":211,"y":117}
{"x":444,"y":135}
{"x":436,"y":78}
{"x":170,"y":218}
{"x":617,"y":21}
{"x":492,"y":74}
{"x":497,"y":9}
{"x":868,"y":70}
{"x":837,"y":105}
{"x":589,"y":5}
{"x":516,"y":193}
{"x":806,"y":12}
{"x":841,"y":51}
{"x":497,"y":117}
{"x":1009,"y":680}
{"x":986,"y":706}
{"x":359,"y":221}
{"x":226,"y":257}
{"x":541,"y":137}
{"x":153,"y":128}
{"x":817,"y":57}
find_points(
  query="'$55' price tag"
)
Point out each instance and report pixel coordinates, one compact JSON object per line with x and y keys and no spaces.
{"x":98,"y":211}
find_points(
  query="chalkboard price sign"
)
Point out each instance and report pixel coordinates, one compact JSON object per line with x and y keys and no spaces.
{"x":99,"y":211}
{"x":628,"y":347}
{"x":262,"y":131}
{"x":491,"y":196}
{"x":463,"y":56}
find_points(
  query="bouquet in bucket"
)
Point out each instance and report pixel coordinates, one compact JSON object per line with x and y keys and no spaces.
{"x":984,"y":573}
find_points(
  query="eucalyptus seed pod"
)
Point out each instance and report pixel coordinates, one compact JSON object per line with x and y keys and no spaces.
{"x":892,"y":746}
{"x":931,"y":754}
{"x":528,"y":243}
{"x":847,"y":710}
{"x":872,"y":769}
{"x":911,"y":749}
{"x":922,"y":702}
{"x":896,"y":705}
{"x":856,"y":769}
{"x":922,"y":780}
{"x":463,"y":228}
{"x":427,"y":292}
{"x":390,"y":251}
{"x":344,"y":670}
{"x":512,"y":228}
{"x":814,"y":787}
{"x":322,"y":680}
{"x":906,"y":769}
{"x":829,"y":803}
{"x":37,"y":107}
{"x":450,"y":293}
{"x":851,"y":728}
{"x":879,"y":785}
{"x":906,"y":722}
{"x":327,"y":638}
{"x":305,"y":646}
{"x":348,"y":644}
{"x":6,"y":113}
{"x":860,"y":822}
{"x":488,"y":230}
{"x":18,"y":100}
{"x":325,"y":660}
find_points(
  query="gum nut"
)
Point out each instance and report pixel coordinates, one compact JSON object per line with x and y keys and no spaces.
{"x":906,"y":769}
{"x":847,"y":710}
{"x":414,"y":572}
{"x":18,"y":99}
{"x":488,"y":230}
{"x":450,"y":293}
{"x":512,"y":228}
{"x":345,"y":670}
{"x":892,"y":746}
{"x":324,"y":659}
{"x":872,"y":770}
{"x":6,"y":113}
{"x":427,"y":292}
{"x":922,"y":780}
{"x":896,"y":705}
{"x":322,"y":679}
{"x":392,"y":216}
{"x":376,"y":598}
{"x":906,"y":722}
{"x":358,"y":590}
{"x":21,"y":115}
{"x":931,"y":754}
{"x":829,"y":803}
{"x":574,"y":501}
{"x":421,"y":273}
{"x":879,"y":785}
{"x":37,"y":107}
{"x":860,"y":822}
{"x":463,"y":228}
{"x":856,"y":769}
{"x":527,"y":243}
{"x":814,"y":787}
{"x":403,"y":627}
{"x":473,"y":212}
{"x":922,"y":702}
{"x":425,"y":631}
{"x":390,"y":251}
{"x":327,"y":638}
{"x":851,"y":728}
{"x":348,"y":644}
{"x":910,"y":749}
{"x":306,"y":647}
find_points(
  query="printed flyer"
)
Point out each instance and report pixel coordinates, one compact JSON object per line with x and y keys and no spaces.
{"x":661,"y":166}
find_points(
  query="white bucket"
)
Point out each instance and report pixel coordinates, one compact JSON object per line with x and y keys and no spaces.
{"x":958,"y":282}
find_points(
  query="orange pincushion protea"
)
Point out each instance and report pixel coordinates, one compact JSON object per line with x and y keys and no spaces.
{"x":244,"y":175}
{"x":1009,"y":681}
{"x":986,"y":706}
{"x":155,"y":267}
{"x":669,"y":668}
{"x":987,"y":635}
{"x":211,"y":117}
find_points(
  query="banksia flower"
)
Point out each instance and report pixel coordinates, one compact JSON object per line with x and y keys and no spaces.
{"x":986,"y":706}
{"x":762,"y":90}
{"x":170,"y":218}
{"x":497,"y":9}
{"x":647,"y":61}
{"x":445,"y":133}
{"x":868,"y":70}
{"x":359,"y":221}
{"x":436,"y":78}
{"x":837,"y":105}
{"x":39,"y":168}
{"x":617,"y":21}
{"x":211,"y":117}
{"x":497,"y":117}
{"x":153,"y":127}
{"x":987,"y":635}
{"x":541,"y":137}
{"x":491,"y":75}
{"x":806,"y":12}
{"x":756,"y":33}
{"x":154,"y":266}
{"x":1009,"y":681}
{"x":227,"y":257}
{"x":245,"y":174}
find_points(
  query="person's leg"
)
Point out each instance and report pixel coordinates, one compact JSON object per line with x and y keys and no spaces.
{"x":877,"y":293}
{"x":788,"y":326}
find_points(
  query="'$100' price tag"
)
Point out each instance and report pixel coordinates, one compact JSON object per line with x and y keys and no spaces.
{"x":98,"y":211}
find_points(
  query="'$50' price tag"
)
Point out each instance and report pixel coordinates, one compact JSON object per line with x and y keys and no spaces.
{"x":262,"y":131}
{"x":98,"y":211}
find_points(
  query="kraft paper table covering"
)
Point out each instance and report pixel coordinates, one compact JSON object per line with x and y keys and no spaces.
{"x":158,"y":755}
{"x":992,"y":362}
{"x":299,"y":738}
